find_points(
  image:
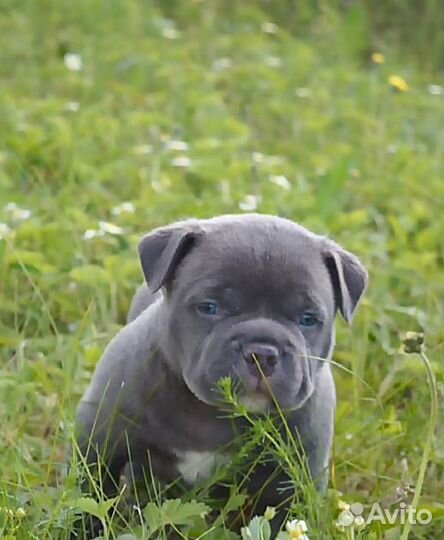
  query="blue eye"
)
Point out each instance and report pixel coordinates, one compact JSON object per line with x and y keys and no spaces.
{"x":307,"y":320}
{"x":208,"y":308}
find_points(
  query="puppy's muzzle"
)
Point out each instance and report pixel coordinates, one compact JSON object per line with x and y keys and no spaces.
{"x":260,"y":357}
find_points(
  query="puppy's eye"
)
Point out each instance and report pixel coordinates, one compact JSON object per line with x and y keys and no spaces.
{"x":209,"y":307}
{"x":307,"y":319}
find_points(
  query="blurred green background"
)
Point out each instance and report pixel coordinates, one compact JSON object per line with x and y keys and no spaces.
{"x":117,"y":116}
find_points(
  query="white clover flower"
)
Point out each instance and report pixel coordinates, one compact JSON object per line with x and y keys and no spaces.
{"x":143,"y":149}
{"x":92,"y":233}
{"x":179,"y":146}
{"x":73,"y":61}
{"x":157,"y":186}
{"x":221,"y":64}
{"x":17,"y":213}
{"x":392,"y":149}
{"x":181,"y":162}
{"x":124,"y":208}
{"x":72,"y":106}
{"x":269,"y":27}
{"x":250,"y":203}
{"x":170,"y":33}
{"x":104,"y":228}
{"x":110,"y":228}
{"x":4,"y":230}
{"x":257,"y":157}
{"x":435,"y":90}
{"x":281,"y":181}
{"x":296,"y":529}
{"x":273,"y":61}
{"x":303,"y":93}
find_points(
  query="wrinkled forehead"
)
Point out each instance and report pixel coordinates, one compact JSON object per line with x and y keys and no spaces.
{"x":274,"y":266}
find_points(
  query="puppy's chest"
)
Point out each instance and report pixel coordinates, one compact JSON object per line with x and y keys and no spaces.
{"x":195,"y":466}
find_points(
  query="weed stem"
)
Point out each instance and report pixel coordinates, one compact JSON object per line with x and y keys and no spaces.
{"x":429,"y":438}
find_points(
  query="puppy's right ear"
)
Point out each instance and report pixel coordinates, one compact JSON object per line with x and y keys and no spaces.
{"x":162,"y":250}
{"x":349,"y":278}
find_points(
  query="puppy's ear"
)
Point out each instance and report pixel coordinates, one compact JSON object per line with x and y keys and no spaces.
{"x":162,"y":250}
{"x":349,"y":278}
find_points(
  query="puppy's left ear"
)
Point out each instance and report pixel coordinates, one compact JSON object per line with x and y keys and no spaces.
{"x":349,"y":278}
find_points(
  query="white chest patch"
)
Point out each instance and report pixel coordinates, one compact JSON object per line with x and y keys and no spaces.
{"x":194,"y":466}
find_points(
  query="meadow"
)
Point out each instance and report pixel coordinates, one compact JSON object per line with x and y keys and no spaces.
{"x":119,"y":116}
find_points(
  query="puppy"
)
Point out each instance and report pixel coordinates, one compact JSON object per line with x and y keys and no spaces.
{"x":250,"y":297}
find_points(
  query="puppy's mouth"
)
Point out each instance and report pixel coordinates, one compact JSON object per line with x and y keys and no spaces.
{"x":262,"y":394}
{"x":255,"y":385}
{"x":258,"y":401}
{"x":256,"y":393}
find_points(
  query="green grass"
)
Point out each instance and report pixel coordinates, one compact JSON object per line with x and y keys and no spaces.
{"x":364,"y":164}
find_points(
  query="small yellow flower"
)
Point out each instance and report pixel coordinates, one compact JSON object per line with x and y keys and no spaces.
{"x":342,"y":505}
{"x":377,"y":58}
{"x":398,"y":83}
{"x":20,"y":513}
{"x":8,"y":512}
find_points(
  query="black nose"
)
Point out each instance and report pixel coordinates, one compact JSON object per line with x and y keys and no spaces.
{"x":260,"y":357}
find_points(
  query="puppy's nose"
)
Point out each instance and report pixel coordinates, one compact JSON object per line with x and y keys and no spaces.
{"x":260,"y":357}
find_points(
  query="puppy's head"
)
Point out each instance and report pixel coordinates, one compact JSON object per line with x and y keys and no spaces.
{"x":252,"y":297}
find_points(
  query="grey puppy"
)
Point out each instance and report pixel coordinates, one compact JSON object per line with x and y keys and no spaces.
{"x":250,"y":296}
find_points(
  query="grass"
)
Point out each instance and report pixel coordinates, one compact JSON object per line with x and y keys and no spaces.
{"x":296,"y":115}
